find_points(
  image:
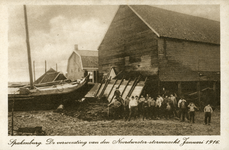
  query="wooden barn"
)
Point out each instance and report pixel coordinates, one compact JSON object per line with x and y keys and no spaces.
{"x":177,"y":52}
{"x":81,"y":63}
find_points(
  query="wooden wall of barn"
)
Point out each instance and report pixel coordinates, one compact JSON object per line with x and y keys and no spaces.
{"x":181,"y":60}
{"x":128,"y":44}
{"x":74,"y":68}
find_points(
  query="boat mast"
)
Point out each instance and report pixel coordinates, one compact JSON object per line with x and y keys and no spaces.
{"x":28,"y":50}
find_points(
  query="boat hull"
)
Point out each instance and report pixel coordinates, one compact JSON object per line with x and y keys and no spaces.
{"x":46,"y":102}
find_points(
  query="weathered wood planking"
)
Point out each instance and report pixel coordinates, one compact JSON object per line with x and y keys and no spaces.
{"x":137,"y":91}
{"x":93,"y":91}
{"x":109,"y":86}
{"x":113,"y":90}
{"x":127,"y":36}
{"x":121,"y":88}
{"x":100,"y":90}
{"x":126,"y":91}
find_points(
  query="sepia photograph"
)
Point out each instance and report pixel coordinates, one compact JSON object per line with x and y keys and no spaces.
{"x":111,"y":70}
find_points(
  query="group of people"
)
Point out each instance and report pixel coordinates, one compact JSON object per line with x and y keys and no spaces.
{"x":150,"y":108}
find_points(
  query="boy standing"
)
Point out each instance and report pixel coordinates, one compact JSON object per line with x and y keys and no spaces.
{"x":208,"y":111}
{"x":192,"y":107}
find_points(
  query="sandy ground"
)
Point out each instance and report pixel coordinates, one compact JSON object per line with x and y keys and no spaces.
{"x":67,"y":125}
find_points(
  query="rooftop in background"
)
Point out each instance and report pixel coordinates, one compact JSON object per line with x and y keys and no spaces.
{"x":89,"y":57}
{"x":50,"y":76}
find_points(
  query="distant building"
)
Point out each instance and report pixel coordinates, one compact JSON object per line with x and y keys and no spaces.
{"x":82,"y":63}
{"x":50,"y":76}
{"x":173,"y":50}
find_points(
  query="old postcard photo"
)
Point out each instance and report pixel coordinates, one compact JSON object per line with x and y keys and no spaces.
{"x":99,"y":74}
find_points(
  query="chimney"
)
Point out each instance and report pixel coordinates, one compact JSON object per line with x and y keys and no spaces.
{"x":76,"y":47}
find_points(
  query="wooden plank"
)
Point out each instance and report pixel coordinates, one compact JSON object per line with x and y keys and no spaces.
{"x":133,"y":86}
{"x":104,"y":88}
{"x":93,"y":90}
{"x":118,"y":87}
{"x":99,"y":87}
{"x":125,"y":87}
{"x":128,"y":88}
{"x":112,"y":88}
{"x":143,"y":87}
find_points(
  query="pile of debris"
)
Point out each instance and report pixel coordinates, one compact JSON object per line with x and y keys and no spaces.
{"x":88,"y":110}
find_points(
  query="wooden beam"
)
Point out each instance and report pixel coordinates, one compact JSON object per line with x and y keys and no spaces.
{"x":143,"y":87}
{"x":104,"y":88}
{"x":118,"y":87}
{"x":133,"y":86}
{"x":158,"y":87}
{"x":214,"y":90}
{"x":125,"y":87}
{"x":28,"y":50}
{"x":34,"y":71}
{"x":99,"y":87}
{"x":179,"y":88}
{"x":112,"y":87}
{"x":198,"y":91}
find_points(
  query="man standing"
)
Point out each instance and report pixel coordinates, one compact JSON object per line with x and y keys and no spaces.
{"x":192,"y":108}
{"x":117,"y":93}
{"x":144,"y":109}
{"x":126,"y":107}
{"x":140,"y":102}
{"x":116,"y":108}
{"x":133,"y":104}
{"x":207,"y":112}
{"x":173,"y":105}
{"x":182,"y":104}
{"x":158,"y":107}
{"x":151,"y":103}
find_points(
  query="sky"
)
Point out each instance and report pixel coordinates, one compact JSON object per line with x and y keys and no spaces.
{"x":55,"y":29}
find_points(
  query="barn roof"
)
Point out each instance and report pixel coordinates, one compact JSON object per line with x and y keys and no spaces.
{"x":50,"y":76}
{"x":170,"y":24}
{"x":89,"y":58}
{"x":90,"y":61}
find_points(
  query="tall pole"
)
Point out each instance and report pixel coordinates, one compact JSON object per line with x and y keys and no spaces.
{"x":45,"y":66}
{"x":28,"y":50}
{"x":56,"y":66}
{"x":12,"y":121}
{"x":198,"y":84}
{"x":34,"y":71}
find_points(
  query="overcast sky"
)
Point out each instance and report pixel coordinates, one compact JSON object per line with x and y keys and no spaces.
{"x":54,"y":30}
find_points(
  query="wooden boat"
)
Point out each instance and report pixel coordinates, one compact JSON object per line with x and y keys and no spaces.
{"x":46,"y":95}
